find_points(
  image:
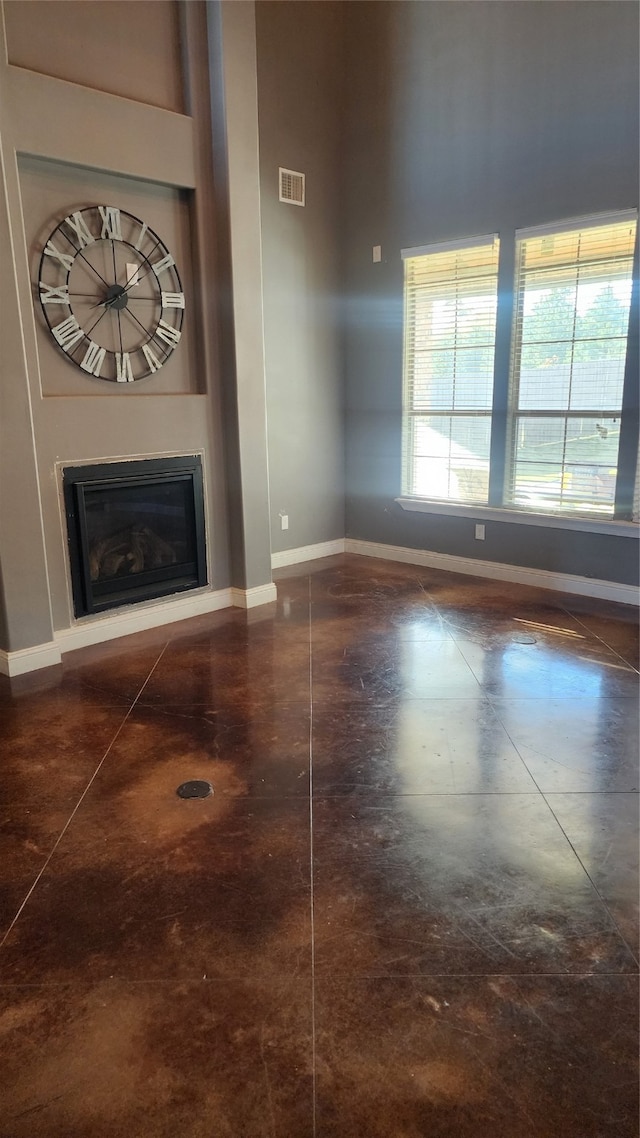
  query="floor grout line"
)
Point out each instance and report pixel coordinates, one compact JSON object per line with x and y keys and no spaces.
{"x":79,"y":803}
{"x":601,"y":640}
{"x":603,"y":901}
{"x":197,"y":979}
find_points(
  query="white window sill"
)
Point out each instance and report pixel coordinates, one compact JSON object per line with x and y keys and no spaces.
{"x":520,"y":517}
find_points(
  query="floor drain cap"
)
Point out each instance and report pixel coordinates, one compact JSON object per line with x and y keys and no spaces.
{"x":525,"y":639}
{"x":196,"y":788}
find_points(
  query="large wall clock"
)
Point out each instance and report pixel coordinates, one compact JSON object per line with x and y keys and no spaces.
{"x":111,"y":294}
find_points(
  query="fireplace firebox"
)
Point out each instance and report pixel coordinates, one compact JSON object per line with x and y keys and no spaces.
{"x":136,"y":531}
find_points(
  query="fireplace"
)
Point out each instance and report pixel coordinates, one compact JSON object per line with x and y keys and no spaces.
{"x":136,"y":531}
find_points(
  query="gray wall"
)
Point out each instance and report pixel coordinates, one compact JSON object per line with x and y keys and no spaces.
{"x":469,"y":118}
{"x":299,"y":51}
{"x":90,"y":142}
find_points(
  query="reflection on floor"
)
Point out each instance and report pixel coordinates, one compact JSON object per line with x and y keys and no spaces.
{"x":409,"y":908}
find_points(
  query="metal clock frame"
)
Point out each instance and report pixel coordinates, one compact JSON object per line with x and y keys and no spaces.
{"x":170,"y":332}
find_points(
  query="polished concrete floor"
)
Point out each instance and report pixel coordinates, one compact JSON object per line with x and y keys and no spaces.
{"x":409,"y":908}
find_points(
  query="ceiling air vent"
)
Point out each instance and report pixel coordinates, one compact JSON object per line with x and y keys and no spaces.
{"x":291,"y":187}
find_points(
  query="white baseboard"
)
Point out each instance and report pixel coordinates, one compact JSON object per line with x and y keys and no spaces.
{"x":495,"y":570}
{"x":251,"y":598}
{"x":139,"y":618}
{"x":110,"y":626}
{"x":307,"y":553}
{"x":29,"y":659}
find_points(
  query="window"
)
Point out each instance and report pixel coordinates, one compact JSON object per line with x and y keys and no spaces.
{"x":538,"y":419}
{"x":573,"y":295}
{"x":450,"y":296}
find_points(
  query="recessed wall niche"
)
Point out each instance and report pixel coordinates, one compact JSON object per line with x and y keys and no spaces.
{"x":52,"y":190}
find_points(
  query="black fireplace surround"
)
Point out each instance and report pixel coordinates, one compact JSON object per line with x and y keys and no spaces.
{"x":136,"y":531}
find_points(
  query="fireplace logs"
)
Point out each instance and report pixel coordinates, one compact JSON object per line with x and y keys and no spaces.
{"x":131,"y":550}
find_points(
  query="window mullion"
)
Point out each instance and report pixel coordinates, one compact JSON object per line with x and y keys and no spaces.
{"x":498,"y":459}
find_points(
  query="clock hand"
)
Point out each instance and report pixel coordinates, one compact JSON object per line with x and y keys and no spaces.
{"x":119,"y":331}
{"x":108,"y":303}
{"x":115,"y":293}
{"x":134,"y":277}
{"x":140,"y":278}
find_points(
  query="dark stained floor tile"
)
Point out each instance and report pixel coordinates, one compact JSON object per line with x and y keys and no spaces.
{"x":293,"y":593}
{"x":510,"y":624}
{"x":464,"y":599}
{"x":489,"y":1057}
{"x":377,"y":628}
{"x":603,"y":830}
{"x":379,"y":598}
{"x":28,"y":835}
{"x":354,"y":579}
{"x":17,"y":689}
{"x":474,"y":941}
{"x":162,"y":888}
{"x":248,"y":667}
{"x":427,"y":884}
{"x":415,"y":746}
{"x":616,"y":625}
{"x":409,"y":669}
{"x":51,"y":685}
{"x":340,"y":625}
{"x":549,"y":669}
{"x":157,"y":1060}
{"x":517,"y":624}
{"x":262,"y":753}
{"x":116,"y":670}
{"x":303,"y":570}
{"x":51,"y":747}
{"x":575,"y":744}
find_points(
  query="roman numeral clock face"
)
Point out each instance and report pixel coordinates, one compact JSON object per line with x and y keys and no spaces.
{"x":111,"y":294}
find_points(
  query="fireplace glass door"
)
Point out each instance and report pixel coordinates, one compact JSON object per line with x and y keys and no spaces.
{"x":136,"y":531}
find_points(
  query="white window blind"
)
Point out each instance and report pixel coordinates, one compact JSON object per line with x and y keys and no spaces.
{"x":573,"y":294}
{"x":450,"y":299}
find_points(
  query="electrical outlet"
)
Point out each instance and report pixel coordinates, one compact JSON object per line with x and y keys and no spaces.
{"x":377,"y":253}
{"x":479,"y":533}
{"x":284,"y":521}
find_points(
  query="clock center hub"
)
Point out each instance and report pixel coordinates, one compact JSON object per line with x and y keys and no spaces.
{"x":117,"y":297}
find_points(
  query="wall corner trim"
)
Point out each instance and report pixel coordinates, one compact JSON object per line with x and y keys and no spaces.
{"x":252,"y":598}
{"x":495,"y":570}
{"x":307,"y":553}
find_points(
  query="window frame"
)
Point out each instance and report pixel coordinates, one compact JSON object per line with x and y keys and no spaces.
{"x":518,"y":413}
{"x":622,"y":522}
{"x":409,"y":415}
